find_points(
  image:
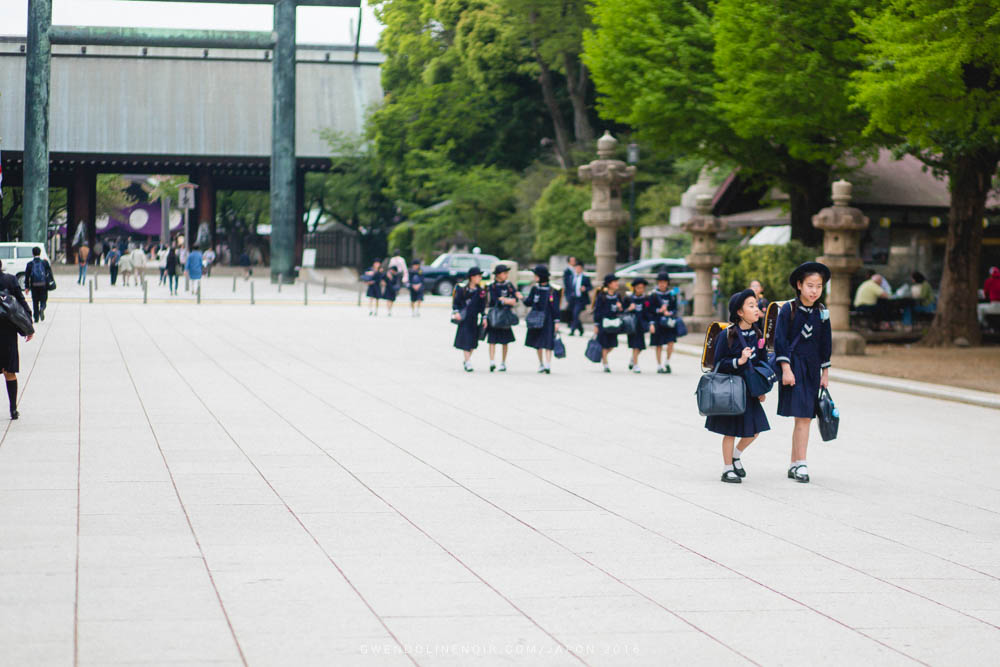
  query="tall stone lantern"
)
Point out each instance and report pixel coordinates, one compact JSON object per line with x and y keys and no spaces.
{"x":606,"y":214}
{"x":704,"y":229}
{"x":842,"y":227}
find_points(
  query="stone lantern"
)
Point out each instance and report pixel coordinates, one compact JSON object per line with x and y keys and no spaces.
{"x":842,"y":226}
{"x":704,"y":229}
{"x":606,"y":214}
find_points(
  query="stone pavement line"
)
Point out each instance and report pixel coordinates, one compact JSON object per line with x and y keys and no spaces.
{"x":610,"y":511}
{"x":173,"y":482}
{"x":297,"y":518}
{"x":867,"y":574}
{"x":23,"y":386}
{"x":566,"y":490}
{"x":381,"y":498}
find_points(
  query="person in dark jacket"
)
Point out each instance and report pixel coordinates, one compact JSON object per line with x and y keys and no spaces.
{"x":10,"y":361}
{"x":375,"y":278}
{"x":736,"y":350}
{"x":173,"y":264}
{"x":504,"y":296}
{"x":665,"y":307}
{"x":608,"y":307}
{"x":37,"y":275}
{"x":641,"y":304}
{"x":543,"y":298}
{"x":416,"y":281}
{"x":578,"y":296}
{"x":390,"y":288}
{"x":467,"y":305}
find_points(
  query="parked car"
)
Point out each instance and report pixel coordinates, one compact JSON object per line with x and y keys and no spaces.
{"x":676,"y":266}
{"x":451,"y":268}
{"x":15,"y":258}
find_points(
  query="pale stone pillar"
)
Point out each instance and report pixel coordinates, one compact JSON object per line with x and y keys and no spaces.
{"x":606,"y":213}
{"x":704,"y":229}
{"x":842,"y":226}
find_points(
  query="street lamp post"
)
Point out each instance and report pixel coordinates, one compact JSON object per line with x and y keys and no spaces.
{"x":633,"y":159}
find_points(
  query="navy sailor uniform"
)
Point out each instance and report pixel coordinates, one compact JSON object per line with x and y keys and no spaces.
{"x":644,"y":317}
{"x":805,"y":342}
{"x":606,"y":306}
{"x":663,"y":335}
{"x":473,"y":299}
{"x":374,"y":279}
{"x":546,"y":299}
{"x":391,"y":286}
{"x":416,"y":286}
{"x":753,"y":421}
{"x":497,"y":291}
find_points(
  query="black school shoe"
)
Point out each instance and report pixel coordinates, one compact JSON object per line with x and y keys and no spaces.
{"x":730,"y":477}
{"x":738,"y":465}
{"x":14,"y":414}
{"x":803,"y":477}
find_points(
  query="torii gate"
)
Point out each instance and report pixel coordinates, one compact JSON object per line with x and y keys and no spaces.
{"x":42,"y":34}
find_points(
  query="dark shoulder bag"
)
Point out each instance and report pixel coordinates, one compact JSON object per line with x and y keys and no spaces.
{"x":721,"y":394}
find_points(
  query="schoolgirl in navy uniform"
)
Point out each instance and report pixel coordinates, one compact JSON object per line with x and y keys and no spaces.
{"x":641,"y":304}
{"x":664,"y":305}
{"x":803,"y":343}
{"x":391,"y":288}
{"x":740,"y":344}
{"x":471,"y":297}
{"x":545,"y":298}
{"x":607,"y":304}
{"x":503,"y":294}
{"x":416,"y":288}
{"x":374,"y":277}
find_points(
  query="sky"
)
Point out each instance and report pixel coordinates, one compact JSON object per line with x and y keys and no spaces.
{"x":316,"y":25}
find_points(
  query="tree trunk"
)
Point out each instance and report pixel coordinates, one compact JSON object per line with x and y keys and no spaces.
{"x":808,"y":186}
{"x":552,"y":104}
{"x":970,"y":179}
{"x":577,"y":81}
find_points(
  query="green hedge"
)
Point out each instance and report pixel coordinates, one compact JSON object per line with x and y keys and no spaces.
{"x":770,"y":264}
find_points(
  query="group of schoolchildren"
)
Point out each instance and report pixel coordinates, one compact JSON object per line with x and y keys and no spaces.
{"x":386,"y":284}
{"x":655,"y":312}
{"x":802,"y":349}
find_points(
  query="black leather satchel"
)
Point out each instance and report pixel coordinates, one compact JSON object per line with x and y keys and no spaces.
{"x":827,"y":416}
{"x":535,"y":319}
{"x":501,"y":318}
{"x":630,"y":323}
{"x":11,"y":311}
{"x":721,"y":394}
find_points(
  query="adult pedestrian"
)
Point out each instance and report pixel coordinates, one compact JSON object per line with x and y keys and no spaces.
{"x":207,"y":260}
{"x":569,"y":272}
{"x":173,"y":263}
{"x":758,"y":290}
{"x":138,"y":258}
{"x":578,"y":295}
{"x":991,"y":288}
{"x":113,"y":257}
{"x":82,"y":253}
{"x":399,"y":263}
{"x":246,"y":264}
{"x":9,"y":359}
{"x":193,"y":268}
{"x":125,"y":267}
{"x":161,"y":263}
{"x":38,"y":273}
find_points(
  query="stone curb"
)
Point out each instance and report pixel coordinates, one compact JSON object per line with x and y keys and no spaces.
{"x":942,"y":392}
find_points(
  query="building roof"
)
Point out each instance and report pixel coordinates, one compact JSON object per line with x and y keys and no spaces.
{"x":904,"y":182}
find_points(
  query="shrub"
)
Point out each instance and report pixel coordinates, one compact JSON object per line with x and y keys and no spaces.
{"x":770,"y":264}
{"x":558,"y":220}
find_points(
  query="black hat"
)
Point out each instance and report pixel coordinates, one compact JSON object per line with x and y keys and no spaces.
{"x":541,"y":271}
{"x":640,"y":281}
{"x":610,"y":278}
{"x":475,"y":271}
{"x":805,"y":269}
{"x":500,"y":268}
{"x":736,"y":302}
{"x":662,"y":275}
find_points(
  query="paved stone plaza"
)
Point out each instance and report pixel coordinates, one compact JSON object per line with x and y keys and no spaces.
{"x":287,"y":485}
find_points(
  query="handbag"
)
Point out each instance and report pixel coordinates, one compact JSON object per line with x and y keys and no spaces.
{"x":535,"y":319}
{"x":667,"y":322}
{"x":612,"y":325}
{"x":12,"y":312}
{"x":501,"y":318}
{"x":558,"y":349}
{"x":462,"y":314}
{"x":630,"y":323}
{"x":827,"y":415}
{"x":759,"y":375}
{"x":594,"y":350}
{"x":721,"y":394}
{"x":51,"y":284}
{"x":682,"y":329}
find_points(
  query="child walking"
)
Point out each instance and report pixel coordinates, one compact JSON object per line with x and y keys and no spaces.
{"x":665,"y":306}
{"x":641,"y":304}
{"x":503,"y":295}
{"x":416,"y":288}
{"x":390,"y":288}
{"x":607,"y":306}
{"x":468,"y":303}
{"x":803,"y":344}
{"x":543,"y":298}
{"x":374,"y":277}
{"x":736,"y":350}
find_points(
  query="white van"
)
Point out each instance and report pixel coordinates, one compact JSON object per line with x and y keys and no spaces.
{"x":15,"y":258}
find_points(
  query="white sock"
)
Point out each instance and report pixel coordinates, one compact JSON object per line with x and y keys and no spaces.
{"x":727,"y":468}
{"x":736,"y":452}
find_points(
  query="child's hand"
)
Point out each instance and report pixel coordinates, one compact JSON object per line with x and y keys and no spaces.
{"x":788,"y":377}
{"x":824,"y":379}
{"x":747,"y":351}
{"x":652,"y":328}
{"x":762,"y":397}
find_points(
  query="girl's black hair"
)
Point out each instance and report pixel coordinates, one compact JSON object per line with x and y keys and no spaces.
{"x":731,"y":329}
{"x":798,"y":293}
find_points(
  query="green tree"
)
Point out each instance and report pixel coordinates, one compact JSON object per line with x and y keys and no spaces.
{"x":558,"y":219}
{"x":770,"y":264}
{"x":933,"y":77}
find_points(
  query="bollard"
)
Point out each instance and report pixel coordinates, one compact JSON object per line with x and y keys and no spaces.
{"x":305,"y":294}
{"x":360,"y":289}
{"x":187,"y":283}
{"x":280,"y":280}
{"x":234,"y":284}
{"x":324,"y":284}
{"x":199,"y":292}
{"x":145,"y":292}
{"x":91,"y":297}
{"x":96,"y":284}
{"x":251,"y":292}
